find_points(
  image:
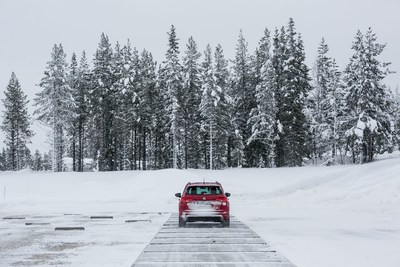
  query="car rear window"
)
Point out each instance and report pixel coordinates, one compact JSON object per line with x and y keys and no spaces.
{"x":204,"y":190}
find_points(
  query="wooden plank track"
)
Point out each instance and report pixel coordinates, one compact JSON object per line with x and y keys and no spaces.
{"x":209,"y":245}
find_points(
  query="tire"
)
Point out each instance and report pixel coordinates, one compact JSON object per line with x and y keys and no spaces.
{"x":226,"y":223}
{"x":182,"y":223}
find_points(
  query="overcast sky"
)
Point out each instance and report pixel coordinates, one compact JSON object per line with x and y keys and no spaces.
{"x":29,"y":29}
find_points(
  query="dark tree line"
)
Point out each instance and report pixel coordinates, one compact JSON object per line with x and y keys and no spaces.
{"x":198,"y":110}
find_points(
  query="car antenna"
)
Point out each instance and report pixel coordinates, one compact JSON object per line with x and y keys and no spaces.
{"x":204,"y":180}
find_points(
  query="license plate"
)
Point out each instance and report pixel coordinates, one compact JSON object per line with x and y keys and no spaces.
{"x":200,"y":204}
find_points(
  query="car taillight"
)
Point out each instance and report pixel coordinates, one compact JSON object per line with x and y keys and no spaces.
{"x":223,"y":200}
{"x":185,"y":200}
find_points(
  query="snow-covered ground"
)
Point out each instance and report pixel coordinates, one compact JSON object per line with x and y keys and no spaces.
{"x":315,"y":216}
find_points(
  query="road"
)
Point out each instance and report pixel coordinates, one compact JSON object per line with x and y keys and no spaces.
{"x":208,"y":244}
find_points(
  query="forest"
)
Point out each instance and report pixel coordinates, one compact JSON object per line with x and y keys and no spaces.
{"x":265,"y":108}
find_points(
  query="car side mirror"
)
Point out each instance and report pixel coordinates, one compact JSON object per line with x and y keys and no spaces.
{"x":227,"y":194}
{"x":178,"y":195}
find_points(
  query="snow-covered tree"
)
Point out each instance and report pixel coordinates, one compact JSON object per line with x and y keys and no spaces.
{"x":327,"y":105}
{"x":37,"y":161}
{"x":16,"y":125}
{"x":71,"y":130}
{"x":173,"y":82}
{"x":209,"y":102}
{"x":367,"y":99}
{"x":81,"y":96}
{"x":396,"y":117}
{"x":243,"y":97}
{"x":102,"y":96}
{"x":225,"y":137}
{"x":55,"y":103}
{"x":47,"y":161}
{"x":191,"y":102}
{"x":128,"y":82}
{"x":161,"y":122}
{"x":3,"y":160}
{"x":262,"y":117}
{"x":292,"y":90}
{"x":148,"y":103}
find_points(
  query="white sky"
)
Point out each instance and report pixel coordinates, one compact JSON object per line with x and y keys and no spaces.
{"x":29,"y":29}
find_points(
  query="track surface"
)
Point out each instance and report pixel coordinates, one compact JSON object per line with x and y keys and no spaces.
{"x":208,"y":244}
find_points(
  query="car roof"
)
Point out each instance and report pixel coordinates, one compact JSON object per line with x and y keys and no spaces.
{"x":203,"y":184}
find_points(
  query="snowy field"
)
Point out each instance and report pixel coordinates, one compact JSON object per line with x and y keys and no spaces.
{"x":345,"y":216}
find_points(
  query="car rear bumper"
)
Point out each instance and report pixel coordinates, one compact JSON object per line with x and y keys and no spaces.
{"x":198,"y":215}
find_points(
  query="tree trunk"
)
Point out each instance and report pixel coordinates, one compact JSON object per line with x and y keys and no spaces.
{"x":144,"y":148}
{"x":211,"y":146}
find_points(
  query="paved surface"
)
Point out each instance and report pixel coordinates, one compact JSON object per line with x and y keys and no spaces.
{"x":30,"y":239}
{"x":208,"y":244}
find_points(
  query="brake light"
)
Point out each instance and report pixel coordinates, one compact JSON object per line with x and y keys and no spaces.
{"x":185,"y":200}
{"x":223,"y":200}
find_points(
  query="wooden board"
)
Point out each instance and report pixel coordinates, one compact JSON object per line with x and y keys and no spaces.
{"x":209,"y":244}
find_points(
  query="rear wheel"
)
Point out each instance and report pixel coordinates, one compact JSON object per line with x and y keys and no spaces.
{"x":182,"y":223}
{"x":226,"y":223}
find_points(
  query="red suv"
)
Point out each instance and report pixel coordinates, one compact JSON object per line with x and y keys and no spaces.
{"x":205,"y":201}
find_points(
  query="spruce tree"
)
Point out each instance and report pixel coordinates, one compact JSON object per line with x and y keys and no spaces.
{"x":147,"y":95}
{"x":37,"y":164}
{"x":396,"y":117}
{"x":244,"y":100}
{"x":55,"y":103}
{"x":191,"y":102}
{"x":226,"y":133}
{"x":173,"y":82}
{"x":162,"y":134}
{"x":367,"y":99}
{"x":292,"y":90}
{"x":208,"y":106}
{"x":262,"y":117}
{"x":47,"y":162}
{"x":103,"y":108}
{"x":81,"y":97}
{"x":72,"y":129}
{"x":3,"y":160}
{"x":327,"y":106}
{"x":16,"y":125}
{"x":129,"y":81}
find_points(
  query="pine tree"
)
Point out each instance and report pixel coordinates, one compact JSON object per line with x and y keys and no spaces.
{"x":174,"y":82}
{"x":191,"y":102}
{"x":226,"y":134}
{"x":16,"y":124}
{"x":244,"y":100}
{"x":292,"y":89}
{"x":162,"y":144}
{"x":47,"y":162}
{"x":367,"y":99}
{"x":55,"y":103}
{"x":102,"y":98}
{"x":147,"y":104}
{"x":72,"y":129}
{"x":3,"y":160}
{"x":396,"y":117}
{"x":116,"y":110}
{"x":208,"y":105}
{"x":37,"y":164}
{"x":81,"y":96}
{"x":129,"y":81}
{"x":327,"y":101}
{"x":262,"y":117}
